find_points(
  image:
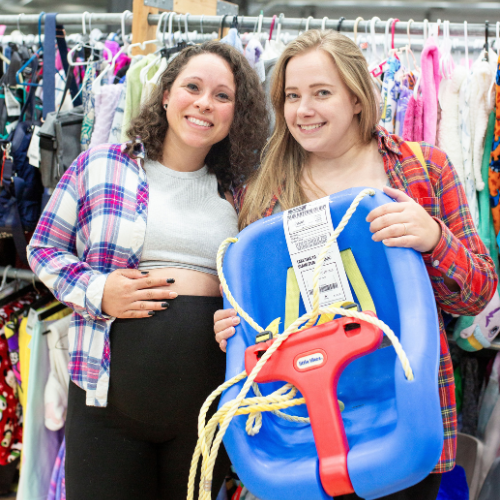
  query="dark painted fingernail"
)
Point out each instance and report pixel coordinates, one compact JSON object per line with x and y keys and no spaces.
{"x":151,"y":313}
{"x":170,"y":280}
{"x":165,"y":304}
{"x":144,"y":272}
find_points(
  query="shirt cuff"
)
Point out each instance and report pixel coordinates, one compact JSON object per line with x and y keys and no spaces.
{"x":443,"y":257}
{"x":93,"y":296}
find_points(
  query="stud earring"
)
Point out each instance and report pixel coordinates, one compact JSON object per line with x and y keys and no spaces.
{"x":165,"y":106}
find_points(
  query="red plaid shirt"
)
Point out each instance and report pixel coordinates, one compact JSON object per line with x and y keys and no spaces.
{"x":460,"y":254}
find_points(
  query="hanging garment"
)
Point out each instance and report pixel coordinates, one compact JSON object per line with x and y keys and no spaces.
{"x":471,"y":389}
{"x":389,"y":96}
{"x":491,"y":440}
{"x":10,"y":430}
{"x":56,"y":389}
{"x":475,"y":333}
{"x":482,"y":104}
{"x":115,"y":131}
{"x":88,"y":107}
{"x":254,"y":53}
{"x":466,"y":139}
{"x":40,"y":445}
{"x":474,"y":108}
{"x":57,"y":489}
{"x":134,"y":91}
{"x":449,"y":129}
{"x":430,"y":88}
{"x":494,"y":173}
{"x":401,"y":107}
{"x":233,"y":38}
{"x":150,"y":77}
{"x":490,"y":397}
{"x":413,"y":128}
{"x":106,"y":102}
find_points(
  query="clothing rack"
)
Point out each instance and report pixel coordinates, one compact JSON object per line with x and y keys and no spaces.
{"x":22,"y":274}
{"x":201,"y":23}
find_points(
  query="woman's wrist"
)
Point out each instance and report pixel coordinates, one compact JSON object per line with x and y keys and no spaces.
{"x":436,"y":235}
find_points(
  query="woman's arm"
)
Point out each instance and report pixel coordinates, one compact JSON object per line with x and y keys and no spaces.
{"x":52,"y":253}
{"x":462,"y":273}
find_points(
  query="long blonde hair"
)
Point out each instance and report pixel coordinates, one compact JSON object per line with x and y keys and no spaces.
{"x":283,"y":158}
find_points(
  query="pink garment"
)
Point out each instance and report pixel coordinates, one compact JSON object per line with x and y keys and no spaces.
{"x":113,"y":46}
{"x":105,"y":106}
{"x":431,"y":79}
{"x":122,"y":60}
{"x":413,"y":127}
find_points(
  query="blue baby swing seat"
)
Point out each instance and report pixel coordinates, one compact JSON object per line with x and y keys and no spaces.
{"x":393,"y":426}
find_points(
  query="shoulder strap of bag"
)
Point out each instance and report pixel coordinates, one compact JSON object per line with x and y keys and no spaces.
{"x":417,"y":151}
{"x":30,"y":100}
{"x":54,"y":34}
{"x":421,"y":189}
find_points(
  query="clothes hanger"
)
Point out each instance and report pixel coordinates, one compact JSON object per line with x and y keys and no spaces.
{"x":339,"y":25}
{"x":358,"y":19}
{"x":142,"y":45}
{"x":492,"y":89}
{"x":278,"y":31}
{"x":323,"y":23}
{"x":50,"y":312}
{"x":96,"y":84}
{"x":486,"y":43}
{"x":466,"y":41}
{"x":160,"y":41}
{"x":393,"y":31}
{"x":4,"y":277}
{"x":373,"y":38}
{"x":446,"y":64}
{"x":88,"y":43}
{"x":386,"y":37}
{"x":308,"y":20}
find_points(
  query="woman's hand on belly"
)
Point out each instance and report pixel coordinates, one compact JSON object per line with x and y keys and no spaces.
{"x":128,"y":293}
{"x":188,"y":281}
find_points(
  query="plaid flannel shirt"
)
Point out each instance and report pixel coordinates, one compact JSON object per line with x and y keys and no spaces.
{"x":460,"y":254}
{"x":94,"y":223}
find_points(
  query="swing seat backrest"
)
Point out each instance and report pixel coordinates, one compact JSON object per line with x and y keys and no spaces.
{"x":393,"y":426}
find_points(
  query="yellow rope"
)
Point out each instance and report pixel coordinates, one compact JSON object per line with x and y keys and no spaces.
{"x":208,"y":445}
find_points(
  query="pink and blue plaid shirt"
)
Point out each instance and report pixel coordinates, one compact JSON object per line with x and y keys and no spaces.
{"x":94,"y":223}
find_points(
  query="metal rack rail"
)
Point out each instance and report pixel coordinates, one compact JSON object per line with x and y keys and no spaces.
{"x":207,"y":23}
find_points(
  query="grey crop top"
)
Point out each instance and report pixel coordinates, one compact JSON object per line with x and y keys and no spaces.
{"x":187,"y":219}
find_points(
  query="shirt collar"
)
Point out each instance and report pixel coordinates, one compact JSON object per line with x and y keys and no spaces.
{"x":386,"y":141}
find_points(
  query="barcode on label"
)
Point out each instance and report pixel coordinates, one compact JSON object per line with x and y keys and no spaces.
{"x":295,"y":215}
{"x":311,"y":242}
{"x":326,"y":288}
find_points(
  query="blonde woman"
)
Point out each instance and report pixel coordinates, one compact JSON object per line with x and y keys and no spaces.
{"x":326,"y":140}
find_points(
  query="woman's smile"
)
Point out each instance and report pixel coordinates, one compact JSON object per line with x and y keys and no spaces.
{"x":198,"y":123}
{"x":312,"y":128}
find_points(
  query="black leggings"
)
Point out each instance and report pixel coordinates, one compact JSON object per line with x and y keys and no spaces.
{"x":427,"y":489}
{"x":140,"y":445}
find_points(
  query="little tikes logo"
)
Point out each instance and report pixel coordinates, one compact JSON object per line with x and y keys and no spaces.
{"x":310,"y":360}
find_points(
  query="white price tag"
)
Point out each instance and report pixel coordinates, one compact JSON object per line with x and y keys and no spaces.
{"x":307,"y":229}
{"x":13,"y":107}
{"x":34,"y":148}
{"x":32,"y":321}
{"x":11,"y":126}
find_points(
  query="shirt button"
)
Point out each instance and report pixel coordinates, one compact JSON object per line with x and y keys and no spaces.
{"x":435,"y":263}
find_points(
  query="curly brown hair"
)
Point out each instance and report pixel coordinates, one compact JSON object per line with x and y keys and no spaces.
{"x":234,"y":158}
